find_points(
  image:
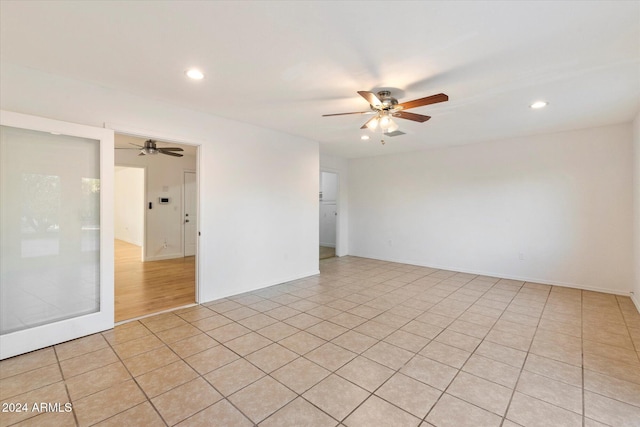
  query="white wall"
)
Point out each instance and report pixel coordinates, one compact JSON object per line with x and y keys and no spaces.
{"x":164,"y":179}
{"x":258,"y":188}
{"x":562,"y":202}
{"x":636,"y":209}
{"x":128,"y":213}
{"x":340,"y":167}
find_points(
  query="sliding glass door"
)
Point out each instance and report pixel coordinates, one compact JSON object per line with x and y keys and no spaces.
{"x":56,"y":233}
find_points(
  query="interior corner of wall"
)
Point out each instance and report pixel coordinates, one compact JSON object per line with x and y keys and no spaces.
{"x":636,"y":300}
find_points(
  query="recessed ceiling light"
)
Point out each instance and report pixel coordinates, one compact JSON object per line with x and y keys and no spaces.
{"x":195,"y":74}
{"x":364,"y":137}
{"x":538,"y":104}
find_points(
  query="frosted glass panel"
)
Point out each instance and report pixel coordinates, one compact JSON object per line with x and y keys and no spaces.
{"x":49,"y":228}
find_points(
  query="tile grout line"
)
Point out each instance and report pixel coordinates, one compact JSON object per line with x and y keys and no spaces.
{"x":334,"y":372}
{"x":472,"y":353}
{"x":66,"y":388}
{"x":206,"y":373}
{"x":240,"y":357}
{"x":224,"y":398}
{"x":148,"y":399}
{"x":526,"y":357}
{"x":266,"y":374}
{"x":424,"y":419}
{"x":397,"y":371}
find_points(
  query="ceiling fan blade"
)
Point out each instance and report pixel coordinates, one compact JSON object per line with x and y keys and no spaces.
{"x":171,"y":148}
{"x":136,"y":145}
{"x":364,"y":126}
{"x":371,"y":98}
{"x":169,"y":153}
{"x":141,"y":154}
{"x":411,"y":116}
{"x":344,"y":114}
{"x":433,"y":99}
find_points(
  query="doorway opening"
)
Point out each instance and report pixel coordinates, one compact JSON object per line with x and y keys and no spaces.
{"x":328,"y":214}
{"x":155,"y":248}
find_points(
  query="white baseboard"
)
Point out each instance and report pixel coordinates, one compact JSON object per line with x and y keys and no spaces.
{"x":636,"y":300}
{"x":161,"y":257}
{"x":623,"y":292}
{"x":328,"y":245}
{"x":263,"y":285}
{"x":136,"y":243}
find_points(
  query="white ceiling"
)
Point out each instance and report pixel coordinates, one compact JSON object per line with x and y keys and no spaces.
{"x":283,"y":64}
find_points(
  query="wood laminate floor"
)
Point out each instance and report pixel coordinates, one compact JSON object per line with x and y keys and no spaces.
{"x":327,"y":252}
{"x":143,"y":288}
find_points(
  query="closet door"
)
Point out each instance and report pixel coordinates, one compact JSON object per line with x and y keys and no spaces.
{"x":56,"y":232}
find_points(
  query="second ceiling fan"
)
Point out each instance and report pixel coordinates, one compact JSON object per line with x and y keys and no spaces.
{"x":386,"y":107}
{"x":150,"y":148}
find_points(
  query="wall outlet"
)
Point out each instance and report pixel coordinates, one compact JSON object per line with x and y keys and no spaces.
{"x":390,"y":242}
{"x":520,"y":256}
{"x":164,"y":245}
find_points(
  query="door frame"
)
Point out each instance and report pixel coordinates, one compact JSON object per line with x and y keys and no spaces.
{"x":34,"y":338}
{"x":184,"y":234}
{"x":151,"y":134}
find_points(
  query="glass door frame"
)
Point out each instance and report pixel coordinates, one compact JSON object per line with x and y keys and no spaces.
{"x":34,"y":338}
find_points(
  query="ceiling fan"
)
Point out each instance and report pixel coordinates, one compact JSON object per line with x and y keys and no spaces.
{"x":385,"y":107}
{"x":151,"y":148}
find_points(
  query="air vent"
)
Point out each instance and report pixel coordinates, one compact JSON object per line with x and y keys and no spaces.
{"x":395,"y":133}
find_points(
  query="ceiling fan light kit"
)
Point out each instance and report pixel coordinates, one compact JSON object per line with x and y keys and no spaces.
{"x":386,"y":107}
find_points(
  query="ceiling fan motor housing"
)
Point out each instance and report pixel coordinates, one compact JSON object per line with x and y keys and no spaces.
{"x":388,"y":101}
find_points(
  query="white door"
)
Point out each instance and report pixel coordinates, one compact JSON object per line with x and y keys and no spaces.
{"x":56,"y":232}
{"x":328,"y":223}
{"x":190,"y":214}
{"x":328,"y":208}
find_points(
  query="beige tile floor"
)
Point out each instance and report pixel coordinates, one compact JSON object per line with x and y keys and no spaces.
{"x":366,"y":343}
